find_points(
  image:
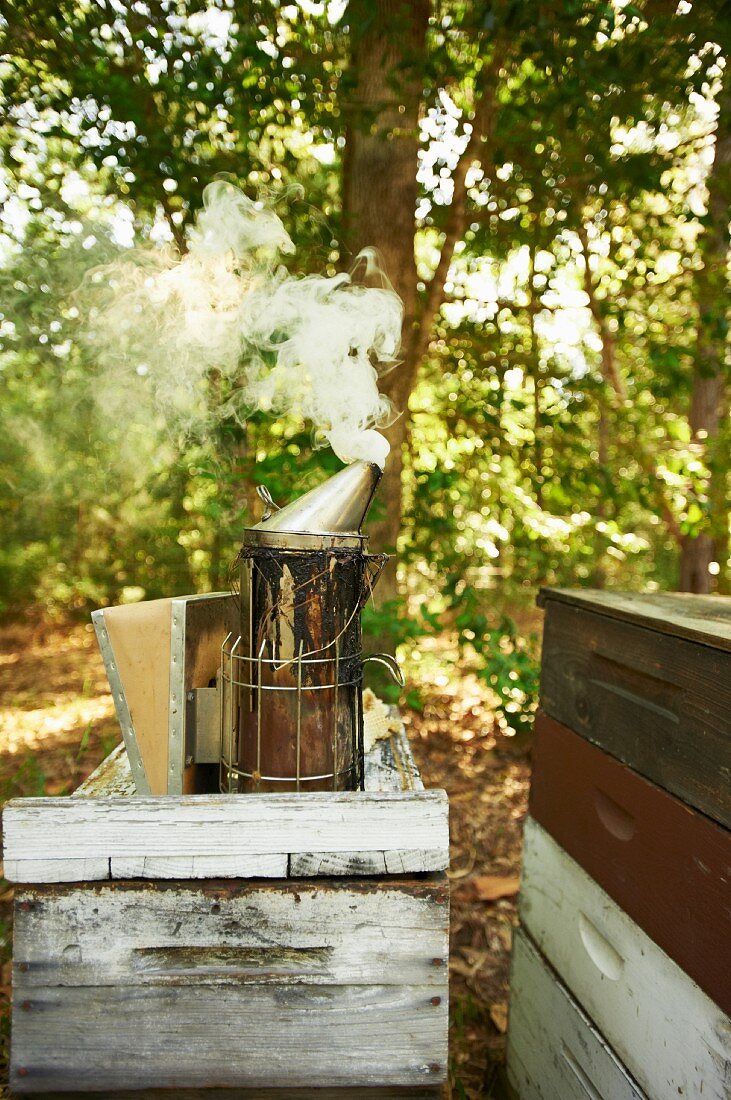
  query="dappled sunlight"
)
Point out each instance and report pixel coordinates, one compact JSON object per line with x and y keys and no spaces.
{"x":56,"y":713}
{"x":25,"y":730}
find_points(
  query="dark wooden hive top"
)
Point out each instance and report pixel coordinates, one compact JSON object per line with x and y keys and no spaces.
{"x":647,"y":678}
{"x":705,"y":619}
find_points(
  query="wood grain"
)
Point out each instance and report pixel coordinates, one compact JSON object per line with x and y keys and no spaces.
{"x":554,"y":1050}
{"x":57,"y":870}
{"x":216,"y":825}
{"x":177,"y":1036}
{"x":408,"y":837}
{"x":402,"y":862}
{"x":420,"y":1092}
{"x":390,"y":765}
{"x":230,"y":984}
{"x":112,"y":779}
{"x":659,"y":703}
{"x":666,"y":865}
{"x":159,"y":985}
{"x":704,"y":619}
{"x":670,"y":1035}
{"x":194,"y":867}
{"x":323,"y":933}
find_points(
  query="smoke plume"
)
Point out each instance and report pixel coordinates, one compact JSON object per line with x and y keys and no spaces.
{"x":225,"y":329}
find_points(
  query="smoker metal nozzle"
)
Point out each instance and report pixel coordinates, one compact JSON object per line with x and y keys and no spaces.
{"x":336,"y":509}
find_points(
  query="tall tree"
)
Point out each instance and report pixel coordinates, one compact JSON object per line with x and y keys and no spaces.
{"x":388,"y":57}
{"x":704,"y":552}
{"x":461,"y":138}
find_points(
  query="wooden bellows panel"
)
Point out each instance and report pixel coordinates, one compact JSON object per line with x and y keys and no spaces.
{"x":155,"y":653}
{"x":648,"y":679}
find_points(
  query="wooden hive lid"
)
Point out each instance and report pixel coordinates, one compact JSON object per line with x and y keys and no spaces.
{"x":704,"y":619}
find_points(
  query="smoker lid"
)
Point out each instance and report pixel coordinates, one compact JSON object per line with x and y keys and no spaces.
{"x":334,"y":510}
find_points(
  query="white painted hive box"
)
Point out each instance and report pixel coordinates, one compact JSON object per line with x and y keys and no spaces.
{"x":183,"y":942}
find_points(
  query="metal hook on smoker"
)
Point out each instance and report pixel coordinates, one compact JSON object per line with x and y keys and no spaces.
{"x":269,"y":505}
{"x":390,"y":663}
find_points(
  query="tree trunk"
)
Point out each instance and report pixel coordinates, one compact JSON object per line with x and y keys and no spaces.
{"x":709,"y":395}
{"x":599,"y":566}
{"x":534,"y":367}
{"x":388,"y":50}
{"x":609,"y":368}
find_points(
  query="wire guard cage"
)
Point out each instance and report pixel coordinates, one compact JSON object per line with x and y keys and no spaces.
{"x":258,"y":693}
{"x":291,"y":699}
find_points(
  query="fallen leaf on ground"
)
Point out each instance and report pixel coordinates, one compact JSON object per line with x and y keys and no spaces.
{"x":478,"y":957}
{"x":499,"y":1016}
{"x":459,"y":966}
{"x":491,"y":887}
{"x":504,"y":934}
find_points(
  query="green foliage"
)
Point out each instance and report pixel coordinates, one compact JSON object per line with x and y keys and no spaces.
{"x":505,"y":661}
{"x":549,"y":435}
{"x":509,"y":666}
{"x":29,"y":780}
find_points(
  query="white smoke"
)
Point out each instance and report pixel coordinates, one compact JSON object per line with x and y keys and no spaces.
{"x":227,"y":318}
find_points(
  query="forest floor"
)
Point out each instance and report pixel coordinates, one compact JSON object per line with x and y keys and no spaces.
{"x":57,"y":723}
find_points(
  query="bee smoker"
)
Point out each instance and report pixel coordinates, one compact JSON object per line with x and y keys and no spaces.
{"x":292,"y":712}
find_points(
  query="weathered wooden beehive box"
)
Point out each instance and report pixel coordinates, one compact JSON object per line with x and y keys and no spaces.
{"x":273,"y":941}
{"x":621,"y":981}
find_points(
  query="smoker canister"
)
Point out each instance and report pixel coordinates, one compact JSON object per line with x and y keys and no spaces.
{"x":298,"y":665}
